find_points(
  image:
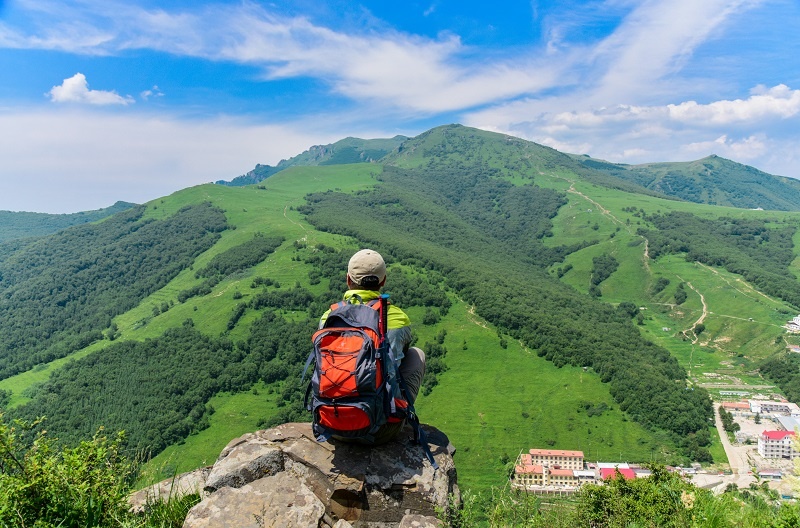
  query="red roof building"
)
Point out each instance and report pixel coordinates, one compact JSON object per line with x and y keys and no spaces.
{"x":777,"y":444}
{"x":556,"y":458}
{"x":609,"y":473}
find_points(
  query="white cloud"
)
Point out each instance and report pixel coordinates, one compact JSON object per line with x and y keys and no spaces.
{"x":76,"y":90}
{"x":778,"y":102}
{"x":153,"y":92}
{"x":744,"y":150}
{"x":133,"y":158}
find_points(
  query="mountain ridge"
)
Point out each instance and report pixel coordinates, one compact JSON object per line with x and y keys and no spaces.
{"x":347,"y":150}
{"x":461,"y":216}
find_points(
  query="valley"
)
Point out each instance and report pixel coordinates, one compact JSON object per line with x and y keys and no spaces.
{"x":524,"y":271}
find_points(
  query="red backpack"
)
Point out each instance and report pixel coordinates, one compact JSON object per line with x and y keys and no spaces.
{"x":351,"y":394}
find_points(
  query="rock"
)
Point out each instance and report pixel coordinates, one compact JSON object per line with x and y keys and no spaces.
{"x":419,"y":521}
{"x":180,"y":486}
{"x":284,"y":477}
{"x":275,"y":500}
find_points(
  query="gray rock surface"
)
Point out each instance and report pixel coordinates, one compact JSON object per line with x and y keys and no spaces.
{"x":180,"y":486}
{"x":283,"y":477}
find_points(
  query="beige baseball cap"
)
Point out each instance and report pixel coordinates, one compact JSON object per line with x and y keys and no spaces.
{"x":367,"y":268}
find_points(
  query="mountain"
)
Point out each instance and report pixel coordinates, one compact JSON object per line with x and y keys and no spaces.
{"x":712,"y":180}
{"x":348,"y":150}
{"x":559,"y":305}
{"x":23,"y":224}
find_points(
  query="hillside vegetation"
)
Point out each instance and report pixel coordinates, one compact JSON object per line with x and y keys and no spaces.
{"x":560,"y":306}
{"x":348,"y":150}
{"x":711,"y":180}
{"x":14,"y":225}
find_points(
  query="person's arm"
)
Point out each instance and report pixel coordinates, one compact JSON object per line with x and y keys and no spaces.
{"x":399,"y":340}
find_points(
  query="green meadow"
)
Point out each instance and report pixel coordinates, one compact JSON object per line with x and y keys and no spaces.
{"x":496,"y":398}
{"x":494,"y":403}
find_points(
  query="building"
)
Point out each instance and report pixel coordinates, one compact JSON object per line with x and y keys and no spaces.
{"x":552,"y":469}
{"x":740,"y":394}
{"x":776,"y":444}
{"x":793,"y":325}
{"x":557,"y":458}
{"x":610,"y":473}
{"x":528,"y":475}
{"x":770,"y":474}
{"x":537,"y":476}
{"x":788,"y":423}
{"x":741,"y":406}
{"x":586,"y":475}
{"x":775,"y":407}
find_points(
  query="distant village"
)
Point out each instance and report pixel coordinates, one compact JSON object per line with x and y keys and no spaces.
{"x":562,"y":472}
{"x":775,"y":442}
{"x":553,"y":471}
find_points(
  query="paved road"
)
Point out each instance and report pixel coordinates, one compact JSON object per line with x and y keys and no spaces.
{"x":737,"y":458}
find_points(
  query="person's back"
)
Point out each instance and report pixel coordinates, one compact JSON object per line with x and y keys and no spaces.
{"x":366,"y":275}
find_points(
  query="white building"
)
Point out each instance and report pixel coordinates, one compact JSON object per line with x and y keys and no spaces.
{"x":793,"y":325}
{"x":774,"y":407}
{"x":777,"y":444}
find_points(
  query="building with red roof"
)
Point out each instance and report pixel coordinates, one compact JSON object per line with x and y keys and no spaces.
{"x":777,"y":444}
{"x":609,"y":473}
{"x":557,"y":458}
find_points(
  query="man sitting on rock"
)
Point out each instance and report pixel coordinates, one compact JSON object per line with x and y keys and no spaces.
{"x":366,"y":275}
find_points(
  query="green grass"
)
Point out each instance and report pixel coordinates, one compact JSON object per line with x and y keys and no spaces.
{"x":235,"y":415}
{"x":495,"y":402}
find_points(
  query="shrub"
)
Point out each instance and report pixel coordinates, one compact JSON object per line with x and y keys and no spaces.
{"x":83,"y":486}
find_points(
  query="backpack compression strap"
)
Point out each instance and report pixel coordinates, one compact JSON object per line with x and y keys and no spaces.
{"x":420,"y":437}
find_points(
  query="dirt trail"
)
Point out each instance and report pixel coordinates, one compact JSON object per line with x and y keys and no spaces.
{"x":474,"y":318}
{"x":298,"y":224}
{"x":602,"y":209}
{"x":690,"y":331}
{"x":614,"y":219}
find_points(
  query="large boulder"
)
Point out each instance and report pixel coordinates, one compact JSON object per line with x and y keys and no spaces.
{"x":284,"y":477}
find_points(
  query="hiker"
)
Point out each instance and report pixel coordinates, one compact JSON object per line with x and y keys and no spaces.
{"x":366,"y":275}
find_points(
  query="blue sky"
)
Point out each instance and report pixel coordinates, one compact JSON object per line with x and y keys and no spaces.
{"x":103,"y":100}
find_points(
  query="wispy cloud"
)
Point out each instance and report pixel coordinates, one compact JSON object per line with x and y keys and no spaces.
{"x":400,"y":70}
{"x":654,"y":42}
{"x":133,"y":157}
{"x":152,"y":92}
{"x":76,"y":90}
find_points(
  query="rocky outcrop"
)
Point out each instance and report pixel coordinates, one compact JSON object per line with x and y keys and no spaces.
{"x":283,"y":477}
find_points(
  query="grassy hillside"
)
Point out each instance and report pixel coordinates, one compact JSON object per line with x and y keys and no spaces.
{"x":345,"y":151}
{"x":711,"y":180}
{"x":14,"y":225}
{"x":538,"y":262}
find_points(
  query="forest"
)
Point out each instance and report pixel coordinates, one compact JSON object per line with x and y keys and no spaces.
{"x":15,"y":225}
{"x":454,"y":229}
{"x":752,"y":248}
{"x":58,"y":294}
{"x":784,"y":370}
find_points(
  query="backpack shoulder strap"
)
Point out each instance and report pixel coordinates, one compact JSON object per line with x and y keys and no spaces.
{"x":420,"y":437}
